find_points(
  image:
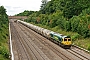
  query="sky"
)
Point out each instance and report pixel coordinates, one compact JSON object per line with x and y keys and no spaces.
{"x":17,"y":6}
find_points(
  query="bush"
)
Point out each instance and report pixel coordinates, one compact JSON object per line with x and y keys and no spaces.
{"x":61,"y":22}
{"x":89,"y":47}
{"x":4,"y":51}
{"x":75,"y":36}
{"x":67,"y":26}
{"x":86,"y":11}
{"x":74,"y":23}
{"x":83,"y":29}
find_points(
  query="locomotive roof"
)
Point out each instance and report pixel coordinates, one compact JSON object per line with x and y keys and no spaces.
{"x":59,"y":35}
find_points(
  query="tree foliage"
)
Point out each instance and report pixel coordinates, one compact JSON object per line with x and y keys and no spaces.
{"x":3,"y":31}
{"x":44,"y":2}
{"x":68,"y":15}
{"x":25,"y":13}
{"x":75,"y":7}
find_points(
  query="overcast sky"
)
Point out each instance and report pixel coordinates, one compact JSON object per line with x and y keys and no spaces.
{"x":16,"y":6}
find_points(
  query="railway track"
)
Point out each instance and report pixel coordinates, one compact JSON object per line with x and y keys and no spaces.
{"x":28,"y":45}
{"x":13,"y":34}
{"x":20,"y":53}
{"x":64,"y":57}
{"x":40,"y":40}
{"x":33,"y":48}
{"x":53,"y":48}
{"x":51,"y":55}
{"x":79,"y":53}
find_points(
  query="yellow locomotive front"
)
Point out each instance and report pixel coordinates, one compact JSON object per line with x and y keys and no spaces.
{"x":67,"y":42}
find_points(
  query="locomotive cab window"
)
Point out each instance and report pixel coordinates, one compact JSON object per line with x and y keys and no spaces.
{"x":69,"y":39}
{"x":65,"y":39}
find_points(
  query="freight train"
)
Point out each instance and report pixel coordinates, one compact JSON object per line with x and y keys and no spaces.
{"x":62,"y":40}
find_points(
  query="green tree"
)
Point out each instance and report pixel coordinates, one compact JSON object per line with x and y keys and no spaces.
{"x":69,"y":15}
{"x":67,"y":26}
{"x":44,"y":2}
{"x":61,"y":22}
{"x":3,"y":32}
{"x":74,"y":23}
{"x":75,"y":7}
{"x":2,"y":10}
{"x":25,"y":13}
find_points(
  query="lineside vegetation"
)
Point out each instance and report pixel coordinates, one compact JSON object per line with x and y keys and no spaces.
{"x":68,"y":17}
{"x":4,"y":34}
